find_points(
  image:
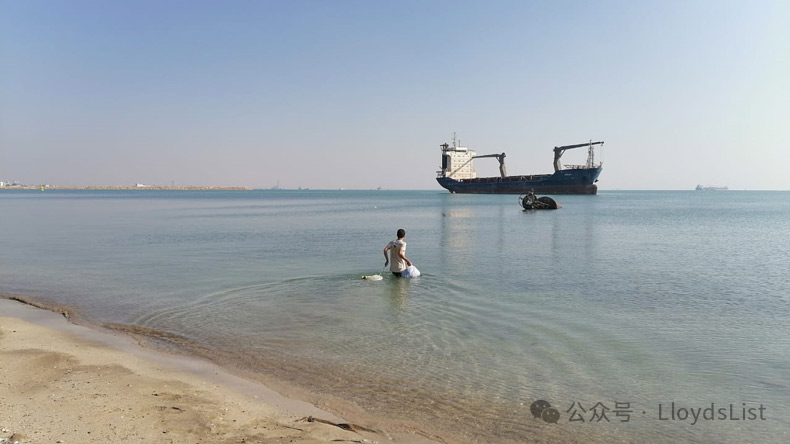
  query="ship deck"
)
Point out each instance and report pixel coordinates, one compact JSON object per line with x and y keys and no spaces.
{"x":506,"y":179}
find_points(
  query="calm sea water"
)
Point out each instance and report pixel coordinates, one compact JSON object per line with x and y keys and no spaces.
{"x":611,"y":309}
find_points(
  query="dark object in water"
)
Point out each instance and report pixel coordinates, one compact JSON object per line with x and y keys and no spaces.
{"x":530,"y":202}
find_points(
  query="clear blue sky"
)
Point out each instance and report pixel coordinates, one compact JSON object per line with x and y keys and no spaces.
{"x":359,"y":94}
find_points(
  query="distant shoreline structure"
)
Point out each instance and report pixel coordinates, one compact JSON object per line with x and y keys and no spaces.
{"x":711,"y":188}
{"x":114,"y":188}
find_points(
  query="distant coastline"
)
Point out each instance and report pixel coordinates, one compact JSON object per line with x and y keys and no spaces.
{"x":109,"y":188}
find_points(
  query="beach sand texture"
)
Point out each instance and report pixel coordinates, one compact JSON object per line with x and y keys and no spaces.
{"x":57,"y":387}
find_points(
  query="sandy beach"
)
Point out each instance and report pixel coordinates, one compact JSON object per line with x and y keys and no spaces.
{"x":65,"y":383}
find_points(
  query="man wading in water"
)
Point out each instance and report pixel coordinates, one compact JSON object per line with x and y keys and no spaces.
{"x":397,"y":259}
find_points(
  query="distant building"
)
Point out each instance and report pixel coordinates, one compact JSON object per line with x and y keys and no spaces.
{"x":140,"y":185}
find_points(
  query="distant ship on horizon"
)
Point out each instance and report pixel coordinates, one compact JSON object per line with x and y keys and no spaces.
{"x":711,"y":188}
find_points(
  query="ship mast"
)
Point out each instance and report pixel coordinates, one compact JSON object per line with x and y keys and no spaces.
{"x":590,"y":156}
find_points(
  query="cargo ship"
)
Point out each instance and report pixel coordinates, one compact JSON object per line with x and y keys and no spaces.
{"x":458,"y":173}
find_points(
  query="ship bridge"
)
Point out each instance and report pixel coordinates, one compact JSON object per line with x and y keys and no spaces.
{"x":457,"y":162}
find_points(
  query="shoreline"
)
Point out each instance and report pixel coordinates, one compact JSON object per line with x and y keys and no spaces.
{"x":124,"y":188}
{"x":80,"y":384}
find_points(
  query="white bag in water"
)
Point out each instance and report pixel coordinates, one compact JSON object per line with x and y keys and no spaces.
{"x":410,"y":272}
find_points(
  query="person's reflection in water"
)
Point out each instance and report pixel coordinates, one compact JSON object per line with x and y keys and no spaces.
{"x":398,"y":293}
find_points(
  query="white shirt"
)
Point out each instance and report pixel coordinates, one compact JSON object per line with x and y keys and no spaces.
{"x":397,"y":264}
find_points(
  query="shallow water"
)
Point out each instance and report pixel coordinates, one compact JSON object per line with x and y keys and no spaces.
{"x":631,"y":299}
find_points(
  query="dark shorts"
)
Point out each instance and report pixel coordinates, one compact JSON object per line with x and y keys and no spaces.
{"x":397,"y":273}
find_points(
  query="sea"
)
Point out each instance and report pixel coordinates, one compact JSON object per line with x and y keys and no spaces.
{"x":628,"y":316}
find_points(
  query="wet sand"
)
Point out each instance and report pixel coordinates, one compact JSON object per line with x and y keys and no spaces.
{"x":65,"y":383}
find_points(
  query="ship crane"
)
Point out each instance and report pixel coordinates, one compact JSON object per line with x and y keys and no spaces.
{"x":500,"y":158}
{"x":559,"y":150}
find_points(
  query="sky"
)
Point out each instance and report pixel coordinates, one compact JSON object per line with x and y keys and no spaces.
{"x":360,"y":94}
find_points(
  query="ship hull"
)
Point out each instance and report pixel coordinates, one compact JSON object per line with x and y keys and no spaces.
{"x":571,"y":181}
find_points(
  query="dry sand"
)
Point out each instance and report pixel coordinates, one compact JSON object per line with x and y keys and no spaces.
{"x":64,"y":383}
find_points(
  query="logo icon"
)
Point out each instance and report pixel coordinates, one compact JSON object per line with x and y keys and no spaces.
{"x":543,"y":410}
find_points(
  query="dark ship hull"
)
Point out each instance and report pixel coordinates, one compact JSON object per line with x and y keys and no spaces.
{"x":568,"y":181}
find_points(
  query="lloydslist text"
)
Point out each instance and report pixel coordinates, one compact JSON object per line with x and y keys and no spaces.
{"x":730,"y":412}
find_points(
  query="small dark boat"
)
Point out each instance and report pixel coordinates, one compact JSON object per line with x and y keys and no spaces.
{"x":530,"y":202}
